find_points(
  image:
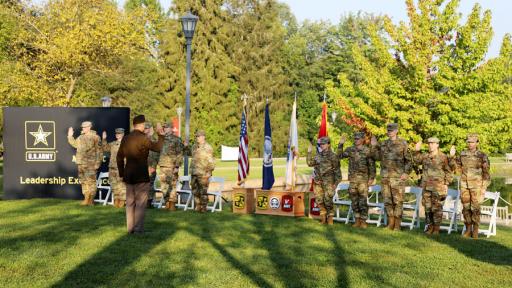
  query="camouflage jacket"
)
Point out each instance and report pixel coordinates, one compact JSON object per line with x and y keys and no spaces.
{"x":394,"y":158}
{"x":326,"y":165}
{"x":202,"y":162}
{"x":88,"y":149}
{"x":436,"y":171}
{"x":361,"y":165}
{"x":172,"y":152}
{"x":112,"y":148}
{"x":474,"y":168}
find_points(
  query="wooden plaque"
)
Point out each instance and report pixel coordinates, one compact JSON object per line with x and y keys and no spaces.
{"x":243,"y":200}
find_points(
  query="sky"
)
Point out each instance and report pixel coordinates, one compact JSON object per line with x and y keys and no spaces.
{"x":333,"y":10}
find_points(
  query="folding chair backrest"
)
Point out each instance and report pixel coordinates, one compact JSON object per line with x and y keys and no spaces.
{"x":340,"y":187}
{"x":99,"y":182}
{"x":375,"y":189}
{"x":219,"y":180}
{"x":180,"y":181}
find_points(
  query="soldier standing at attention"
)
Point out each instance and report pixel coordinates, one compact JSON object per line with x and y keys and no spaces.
{"x":88,"y":159}
{"x":152,"y":163}
{"x":474,"y":168}
{"x":327,"y":175}
{"x":171,"y":158}
{"x":437,"y":175}
{"x":116,"y":183}
{"x":395,"y":163}
{"x":361,"y":174}
{"x":202,"y":165}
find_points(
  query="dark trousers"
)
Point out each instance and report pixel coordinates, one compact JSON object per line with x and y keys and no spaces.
{"x":136,"y":200}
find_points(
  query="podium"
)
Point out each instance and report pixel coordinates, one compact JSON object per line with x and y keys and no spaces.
{"x":243,"y":200}
{"x":281,"y":203}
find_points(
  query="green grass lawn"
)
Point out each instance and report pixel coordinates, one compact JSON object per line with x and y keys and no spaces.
{"x":56,"y":243}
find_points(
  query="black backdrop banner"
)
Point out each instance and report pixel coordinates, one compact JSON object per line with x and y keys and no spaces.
{"x":38,"y":160}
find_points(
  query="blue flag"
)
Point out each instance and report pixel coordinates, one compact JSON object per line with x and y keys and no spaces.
{"x":268,"y":167}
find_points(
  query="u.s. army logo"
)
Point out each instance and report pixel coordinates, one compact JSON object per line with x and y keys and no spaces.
{"x":262,"y":202}
{"x":40,"y":141}
{"x":239,"y":201}
{"x":275,"y":203}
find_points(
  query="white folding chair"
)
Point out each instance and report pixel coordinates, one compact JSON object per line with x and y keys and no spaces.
{"x":375,"y":206}
{"x":414,"y":206}
{"x":338,"y":200}
{"x":157,"y":203}
{"x":495,"y":198}
{"x":102,"y":184}
{"x":217,"y":194}
{"x":451,"y":210}
{"x":184,"y":193}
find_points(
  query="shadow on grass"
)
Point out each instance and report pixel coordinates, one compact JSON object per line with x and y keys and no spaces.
{"x":103,"y":268}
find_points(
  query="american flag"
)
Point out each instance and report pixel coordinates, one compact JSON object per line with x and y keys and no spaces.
{"x":243,"y":148}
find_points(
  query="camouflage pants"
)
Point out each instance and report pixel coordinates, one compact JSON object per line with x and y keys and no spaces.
{"x":199,"y":185}
{"x":152,"y":178}
{"x":433,"y":203}
{"x":87,"y":177}
{"x":470,"y":199}
{"x":393,"y":192}
{"x":324,"y":191}
{"x":168,"y":184}
{"x":116,"y":184}
{"x":358,"y":191}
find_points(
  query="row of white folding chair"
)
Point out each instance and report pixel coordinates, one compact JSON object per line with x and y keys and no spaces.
{"x":451,"y":209}
{"x":491,"y":230}
{"x":185,"y":195}
{"x":101,"y":186}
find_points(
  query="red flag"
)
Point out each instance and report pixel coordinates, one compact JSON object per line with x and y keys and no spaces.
{"x":321,"y":133}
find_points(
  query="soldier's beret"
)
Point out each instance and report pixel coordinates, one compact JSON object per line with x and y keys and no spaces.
{"x":200,"y":133}
{"x":392,"y":126}
{"x":148,"y":125}
{"x":167,"y":125}
{"x":86,"y":124}
{"x":359,"y":135}
{"x":324,"y":140}
{"x":433,"y":140}
{"x":119,"y":130}
{"x":139,"y":119}
{"x":472,"y":138}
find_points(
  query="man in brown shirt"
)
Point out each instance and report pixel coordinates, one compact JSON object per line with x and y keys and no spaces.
{"x":132,"y":163}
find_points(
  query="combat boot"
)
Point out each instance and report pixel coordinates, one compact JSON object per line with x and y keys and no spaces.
{"x":362,"y":223}
{"x":468,"y":231}
{"x":330,"y":220}
{"x":122,"y":203}
{"x":323,"y":219}
{"x":85,"y":201}
{"x":398,"y":224}
{"x":172,"y":206}
{"x":475,"y":231}
{"x":435,"y":231}
{"x":91,"y":201}
{"x":391,"y":222}
{"x":430,"y":229}
{"x":357,"y":224}
{"x":116,"y":203}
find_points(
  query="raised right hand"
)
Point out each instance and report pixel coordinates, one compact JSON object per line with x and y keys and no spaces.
{"x":343,"y":139}
{"x":417,"y":147}
{"x":452,"y":151}
{"x":310,"y":148}
{"x":70,"y":132}
{"x":104,"y":135}
{"x":374,"y":141}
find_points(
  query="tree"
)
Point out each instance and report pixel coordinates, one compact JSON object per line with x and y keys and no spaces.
{"x":430,"y":76}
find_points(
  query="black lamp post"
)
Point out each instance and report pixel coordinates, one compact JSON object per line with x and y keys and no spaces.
{"x":188,"y":23}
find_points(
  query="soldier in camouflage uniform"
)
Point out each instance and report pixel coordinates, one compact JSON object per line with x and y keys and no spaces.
{"x":171,"y":158}
{"x":88,"y":158}
{"x":361,"y":174}
{"x":327,"y":176}
{"x":474,"y":167}
{"x":395,"y":162}
{"x":437,"y":175}
{"x":152,"y":163}
{"x":116,"y":183}
{"x":201,"y":168}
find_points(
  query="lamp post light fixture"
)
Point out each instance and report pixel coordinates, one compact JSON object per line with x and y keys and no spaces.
{"x":106,"y":101}
{"x":179,"y":110}
{"x":188,"y":23}
{"x":333,"y":116}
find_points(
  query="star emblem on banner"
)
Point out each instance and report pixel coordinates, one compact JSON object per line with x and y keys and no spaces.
{"x":40,"y":136}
